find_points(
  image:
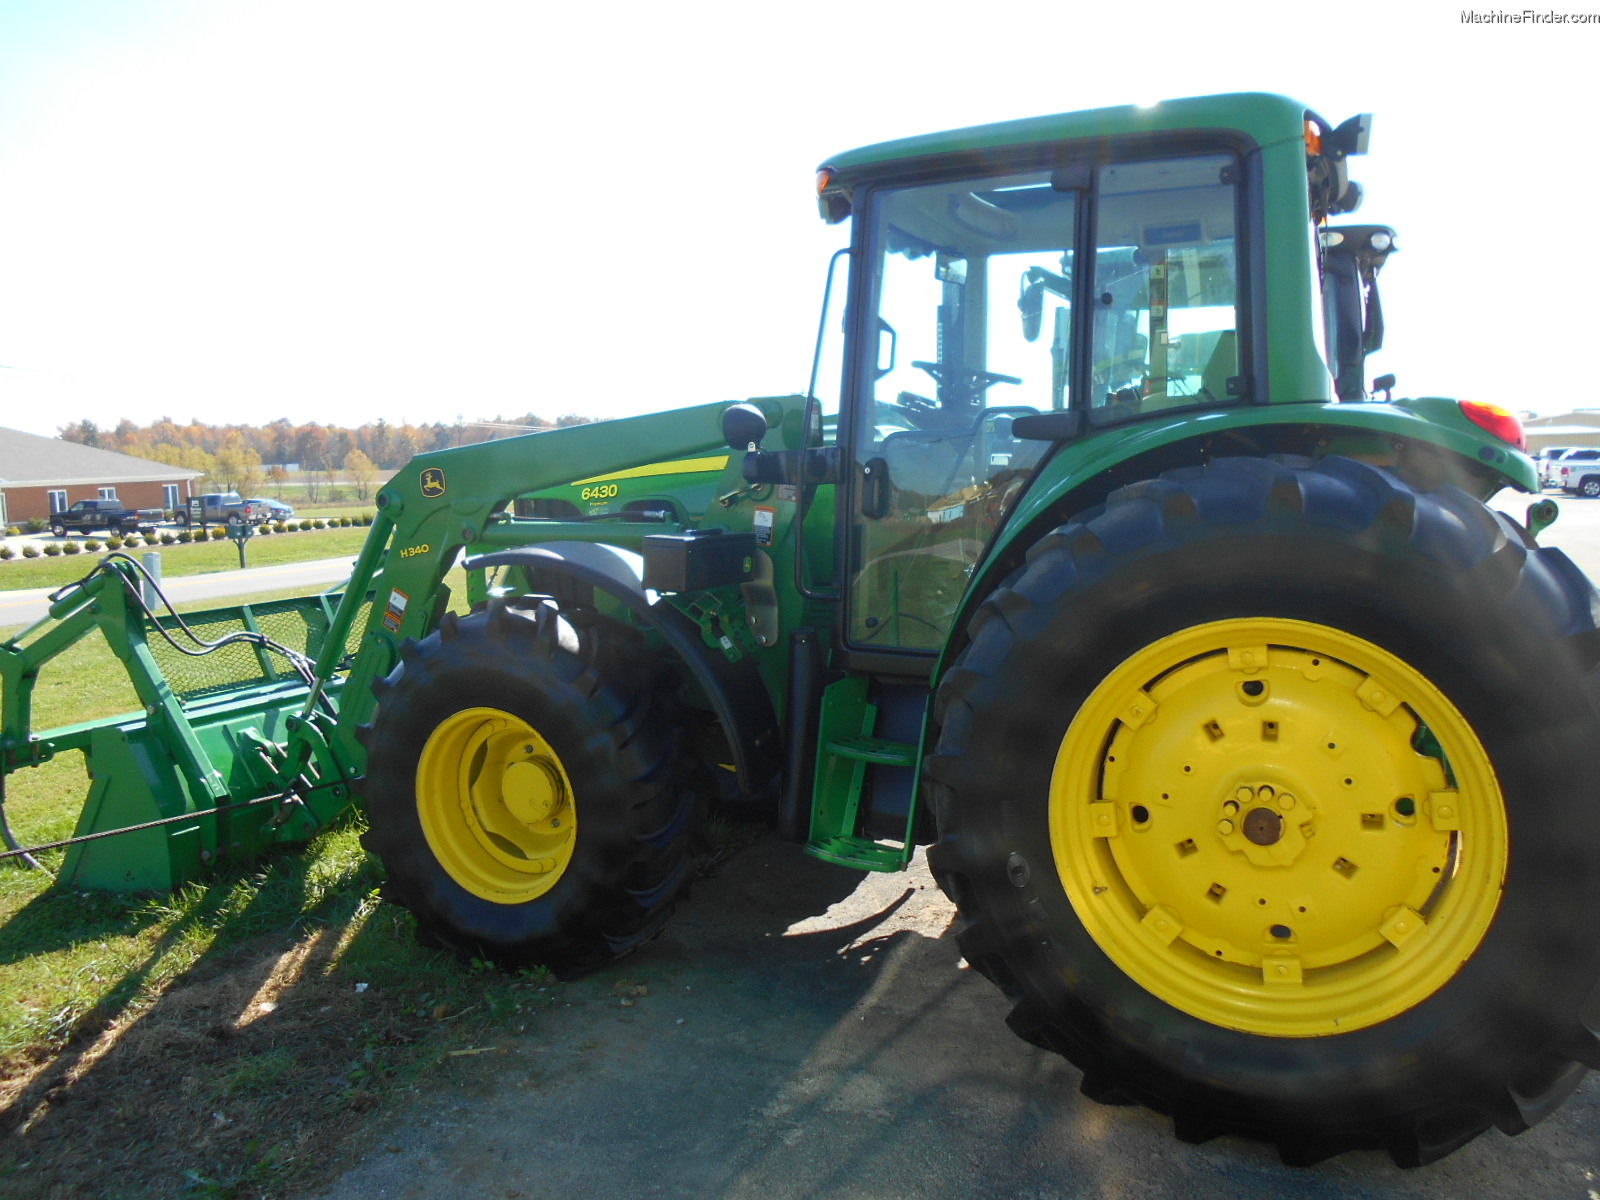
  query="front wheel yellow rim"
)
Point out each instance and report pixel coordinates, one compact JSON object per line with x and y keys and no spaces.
{"x":1278,"y":827}
{"x":496,"y":805}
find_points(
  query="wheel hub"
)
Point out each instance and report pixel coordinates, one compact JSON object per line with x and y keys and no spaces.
{"x":1278,"y":827}
{"x":531,"y":789}
{"x":495,"y":805}
{"x":1269,"y":827}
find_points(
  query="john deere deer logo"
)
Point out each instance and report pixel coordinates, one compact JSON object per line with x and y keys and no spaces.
{"x":432,"y":482}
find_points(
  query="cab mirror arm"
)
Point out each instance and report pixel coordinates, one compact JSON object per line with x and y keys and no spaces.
{"x":804,"y":467}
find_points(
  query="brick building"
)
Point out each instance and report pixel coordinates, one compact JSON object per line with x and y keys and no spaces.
{"x":40,"y":475}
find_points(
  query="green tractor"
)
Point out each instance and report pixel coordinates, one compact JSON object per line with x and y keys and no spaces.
{"x":1249,"y":742}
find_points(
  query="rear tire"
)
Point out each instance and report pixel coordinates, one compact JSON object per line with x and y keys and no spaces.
{"x":1404,"y":678}
{"x":520,"y":791}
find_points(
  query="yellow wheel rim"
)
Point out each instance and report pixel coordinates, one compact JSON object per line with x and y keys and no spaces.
{"x":496,"y":805}
{"x":1278,"y":828}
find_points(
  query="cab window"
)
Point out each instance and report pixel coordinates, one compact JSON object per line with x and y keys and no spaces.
{"x":1165,"y":288}
{"x":970,"y":311}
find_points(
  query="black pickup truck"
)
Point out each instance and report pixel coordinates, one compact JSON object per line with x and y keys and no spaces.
{"x":86,"y":516}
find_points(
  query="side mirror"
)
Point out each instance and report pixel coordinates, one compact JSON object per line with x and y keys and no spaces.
{"x":743,"y":426}
{"x":1384,"y":384}
{"x":1031,"y":302}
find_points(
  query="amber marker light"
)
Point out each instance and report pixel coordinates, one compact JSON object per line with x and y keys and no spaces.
{"x":1313,"y":139}
{"x":1499,"y":422}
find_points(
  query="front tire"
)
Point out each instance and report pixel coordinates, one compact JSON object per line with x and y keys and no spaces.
{"x":1228,"y":785}
{"x":520,"y":791}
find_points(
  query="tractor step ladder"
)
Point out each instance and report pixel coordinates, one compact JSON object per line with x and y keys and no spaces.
{"x":846,"y":750}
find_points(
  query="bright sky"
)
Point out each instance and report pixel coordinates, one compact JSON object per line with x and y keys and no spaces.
{"x":340,"y":210}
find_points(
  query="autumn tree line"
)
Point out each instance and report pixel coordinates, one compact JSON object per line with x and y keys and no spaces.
{"x":245,"y":458}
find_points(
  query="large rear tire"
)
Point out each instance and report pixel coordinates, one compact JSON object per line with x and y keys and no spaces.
{"x":1262,"y":793}
{"x":520,"y":791}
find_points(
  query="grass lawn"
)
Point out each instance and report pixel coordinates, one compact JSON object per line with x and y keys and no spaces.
{"x":225,"y":1040}
{"x":194,"y":558}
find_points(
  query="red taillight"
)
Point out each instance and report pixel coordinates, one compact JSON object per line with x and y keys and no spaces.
{"x":1496,"y":421}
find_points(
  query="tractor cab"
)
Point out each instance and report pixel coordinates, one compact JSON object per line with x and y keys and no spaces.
{"x":1051,"y":287}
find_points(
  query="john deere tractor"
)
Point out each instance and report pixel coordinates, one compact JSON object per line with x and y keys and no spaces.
{"x":1250,"y":743}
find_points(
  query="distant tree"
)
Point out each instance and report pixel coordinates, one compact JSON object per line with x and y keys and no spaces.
{"x":277,"y":442}
{"x":378,"y":442}
{"x":572,"y":419}
{"x":84,"y":432}
{"x":310,"y":444}
{"x":404,"y":447}
{"x":238,"y":465}
{"x":362,"y":471}
{"x":308,"y":477}
{"x":277,"y":476}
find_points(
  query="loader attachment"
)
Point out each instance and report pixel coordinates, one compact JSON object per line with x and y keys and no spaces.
{"x":229,"y":752}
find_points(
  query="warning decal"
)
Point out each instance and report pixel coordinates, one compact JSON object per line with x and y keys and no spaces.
{"x":395,"y":610}
{"x":764,"y":519}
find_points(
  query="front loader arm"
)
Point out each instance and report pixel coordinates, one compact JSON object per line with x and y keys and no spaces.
{"x":444,"y":501}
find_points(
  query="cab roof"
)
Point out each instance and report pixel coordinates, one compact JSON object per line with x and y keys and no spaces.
{"x":1261,"y":117}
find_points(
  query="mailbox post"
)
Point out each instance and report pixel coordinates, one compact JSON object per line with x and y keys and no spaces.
{"x":240,"y":531}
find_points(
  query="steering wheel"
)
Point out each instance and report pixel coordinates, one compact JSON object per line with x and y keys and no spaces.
{"x":965,"y":378}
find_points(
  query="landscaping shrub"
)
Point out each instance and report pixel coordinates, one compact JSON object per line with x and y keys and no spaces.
{"x":52,"y":550}
{"x":29,"y":550}
{"x":168,"y":539}
{"x":280,"y":527}
{"x":263,"y":529}
{"x":184,"y":536}
{"x":218,"y":533}
{"x":6,"y":552}
{"x":70,"y":547}
{"x":13,"y":531}
{"x":113,"y":542}
{"x":37,"y":524}
{"x":92,"y":545}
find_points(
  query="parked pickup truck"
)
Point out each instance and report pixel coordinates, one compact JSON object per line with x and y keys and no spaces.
{"x":221,"y":508}
{"x":87,"y":516}
{"x":1578,"y":472}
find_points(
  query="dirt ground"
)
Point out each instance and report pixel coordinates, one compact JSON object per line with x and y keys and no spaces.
{"x":803,"y":1031}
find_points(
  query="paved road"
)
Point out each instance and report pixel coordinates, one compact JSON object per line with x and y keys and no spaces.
{"x":26,"y":606}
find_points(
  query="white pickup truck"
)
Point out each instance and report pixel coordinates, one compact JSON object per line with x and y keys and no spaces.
{"x":1577,"y":472}
{"x":1544,"y":461}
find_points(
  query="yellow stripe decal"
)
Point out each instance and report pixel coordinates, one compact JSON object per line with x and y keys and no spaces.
{"x":688,"y":466}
